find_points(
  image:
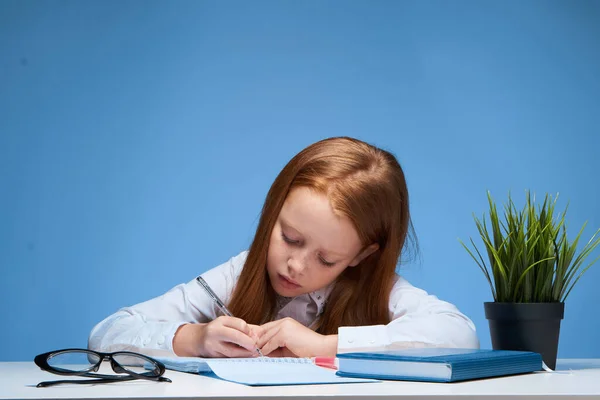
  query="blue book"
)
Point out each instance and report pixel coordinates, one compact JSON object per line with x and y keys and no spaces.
{"x":437,"y":364}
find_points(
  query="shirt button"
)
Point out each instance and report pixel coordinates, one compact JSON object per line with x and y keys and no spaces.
{"x":350,"y":340}
{"x":146,"y":341}
{"x":371,"y":341}
{"x":160,"y":341}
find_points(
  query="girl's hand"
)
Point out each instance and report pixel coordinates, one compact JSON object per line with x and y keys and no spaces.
{"x":289,"y":338}
{"x":222,"y":337}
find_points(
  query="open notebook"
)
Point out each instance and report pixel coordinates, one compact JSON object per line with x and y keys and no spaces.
{"x":260,"y":371}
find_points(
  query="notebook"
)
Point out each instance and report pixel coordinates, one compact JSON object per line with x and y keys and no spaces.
{"x":260,"y":371}
{"x":437,"y":364}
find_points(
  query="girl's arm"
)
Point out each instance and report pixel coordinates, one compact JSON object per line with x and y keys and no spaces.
{"x":150,"y":327}
{"x":418,"y":320}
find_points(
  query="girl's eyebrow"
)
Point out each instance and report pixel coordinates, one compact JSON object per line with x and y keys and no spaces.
{"x":286,"y":225}
{"x":283,"y":222}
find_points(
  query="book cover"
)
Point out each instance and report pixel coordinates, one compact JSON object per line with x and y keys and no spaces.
{"x":438,"y":364}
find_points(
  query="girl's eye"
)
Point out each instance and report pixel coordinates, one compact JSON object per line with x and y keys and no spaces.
{"x":288,"y":240}
{"x":326,"y":263}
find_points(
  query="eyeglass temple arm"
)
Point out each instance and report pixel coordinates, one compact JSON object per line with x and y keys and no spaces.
{"x":100,"y":380}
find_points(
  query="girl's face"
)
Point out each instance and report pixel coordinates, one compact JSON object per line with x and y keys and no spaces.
{"x":310,"y":245}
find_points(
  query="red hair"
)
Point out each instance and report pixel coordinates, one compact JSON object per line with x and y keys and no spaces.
{"x":363,"y":183}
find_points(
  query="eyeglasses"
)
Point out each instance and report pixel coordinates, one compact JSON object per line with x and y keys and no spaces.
{"x":83,"y":362}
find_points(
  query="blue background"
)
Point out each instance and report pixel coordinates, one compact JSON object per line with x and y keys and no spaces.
{"x":138,"y":139}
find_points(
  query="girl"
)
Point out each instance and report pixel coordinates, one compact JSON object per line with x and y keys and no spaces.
{"x":319,"y":277}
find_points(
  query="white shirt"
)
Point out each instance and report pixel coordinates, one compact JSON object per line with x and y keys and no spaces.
{"x":417,"y":319}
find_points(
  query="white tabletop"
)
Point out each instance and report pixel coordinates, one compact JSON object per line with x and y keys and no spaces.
{"x":575,"y":378}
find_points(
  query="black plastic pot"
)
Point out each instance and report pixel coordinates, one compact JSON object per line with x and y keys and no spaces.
{"x":526,"y":326}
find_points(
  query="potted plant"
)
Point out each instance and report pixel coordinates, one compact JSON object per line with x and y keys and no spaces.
{"x":533,"y":267}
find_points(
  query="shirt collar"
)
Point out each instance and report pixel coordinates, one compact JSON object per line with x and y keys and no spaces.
{"x":320,"y":297}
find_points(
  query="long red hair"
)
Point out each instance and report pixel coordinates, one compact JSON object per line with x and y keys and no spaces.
{"x":363,"y":183}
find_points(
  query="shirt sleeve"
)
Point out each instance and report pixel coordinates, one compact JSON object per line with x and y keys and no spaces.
{"x":417,"y":320}
{"x":149,"y":327}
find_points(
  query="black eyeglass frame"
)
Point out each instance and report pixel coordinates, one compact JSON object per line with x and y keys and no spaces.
{"x":41,"y":360}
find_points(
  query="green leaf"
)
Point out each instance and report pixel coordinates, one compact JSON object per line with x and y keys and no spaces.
{"x":531,"y":258}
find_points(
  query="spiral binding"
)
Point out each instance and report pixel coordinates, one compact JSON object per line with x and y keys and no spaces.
{"x":286,"y":360}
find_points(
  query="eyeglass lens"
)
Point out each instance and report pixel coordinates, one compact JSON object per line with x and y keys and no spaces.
{"x":73,"y":361}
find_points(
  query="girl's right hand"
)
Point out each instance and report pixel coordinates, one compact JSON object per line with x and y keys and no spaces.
{"x":222,"y":337}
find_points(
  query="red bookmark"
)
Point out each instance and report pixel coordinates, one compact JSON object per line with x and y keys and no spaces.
{"x":325,"y":362}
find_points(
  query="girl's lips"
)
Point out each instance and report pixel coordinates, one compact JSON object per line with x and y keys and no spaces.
{"x":287,"y":282}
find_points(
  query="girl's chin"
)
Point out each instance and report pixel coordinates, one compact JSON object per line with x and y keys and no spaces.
{"x":287,"y":292}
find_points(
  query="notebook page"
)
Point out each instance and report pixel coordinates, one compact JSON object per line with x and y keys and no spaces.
{"x":268,"y":371}
{"x":265,"y":371}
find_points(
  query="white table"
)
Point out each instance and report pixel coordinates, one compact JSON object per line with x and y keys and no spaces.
{"x":576,"y":379}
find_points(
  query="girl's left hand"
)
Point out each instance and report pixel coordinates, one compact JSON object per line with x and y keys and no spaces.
{"x":289,"y":338}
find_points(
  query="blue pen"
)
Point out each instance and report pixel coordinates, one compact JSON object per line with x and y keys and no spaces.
{"x":218,"y":302}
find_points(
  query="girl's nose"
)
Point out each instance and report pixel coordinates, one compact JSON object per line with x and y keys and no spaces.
{"x":297,"y":264}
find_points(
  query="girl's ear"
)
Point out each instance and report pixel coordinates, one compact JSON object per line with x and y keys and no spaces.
{"x":364,"y":254}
